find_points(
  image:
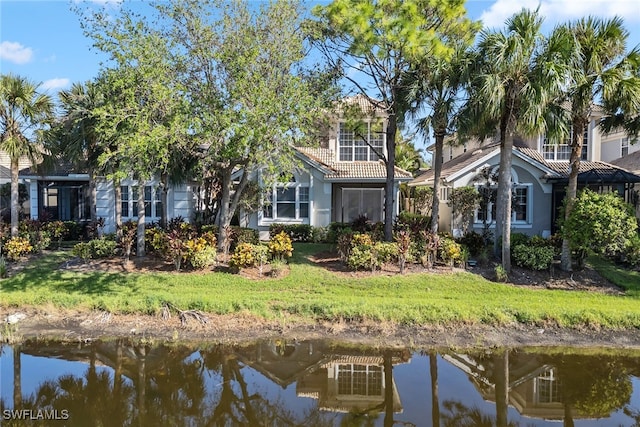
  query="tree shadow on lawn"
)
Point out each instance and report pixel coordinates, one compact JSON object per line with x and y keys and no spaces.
{"x":88,"y":283}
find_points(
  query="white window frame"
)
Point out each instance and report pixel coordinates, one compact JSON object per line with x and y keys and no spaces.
{"x":351,"y":148}
{"x":527,"y":222}
{"x":272,"y":199}
{"x":624,"y":147}
{"x":154,"y":202}
{"x":562,"y":152}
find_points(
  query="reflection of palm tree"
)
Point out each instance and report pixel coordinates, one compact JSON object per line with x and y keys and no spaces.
{"x":435,"y":404}
{"x":501,"y":381}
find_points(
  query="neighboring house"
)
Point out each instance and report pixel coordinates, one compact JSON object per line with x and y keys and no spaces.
{"x":63,"y":194}
{"x":539,"y":172}
{"x":5,"y":178}
{"x":338,"y":181}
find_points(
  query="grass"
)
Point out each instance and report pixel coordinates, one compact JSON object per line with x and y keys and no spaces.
{"x":627,"y":279}
{"x":311,"y":293}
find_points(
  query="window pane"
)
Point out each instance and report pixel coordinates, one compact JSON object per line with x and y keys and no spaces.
{"x":520,"y":204}
{"x":304,"y":210}
{"x":286,"y":210}
{"x":345,"y":143}
{"x":304,"y":194}
{"x":286,"y":194}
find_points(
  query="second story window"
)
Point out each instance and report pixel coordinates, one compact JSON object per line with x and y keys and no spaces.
{"x":624,"y":147}
{"x":362,"y":145}
{"x":559,"y":152}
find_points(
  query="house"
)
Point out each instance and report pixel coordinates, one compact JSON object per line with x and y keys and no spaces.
{"x":341,"y":179}
{"x":539,"y":174}
{"x":338,"y":181}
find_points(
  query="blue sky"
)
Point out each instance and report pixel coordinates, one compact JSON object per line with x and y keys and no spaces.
{"x":43,"y":40}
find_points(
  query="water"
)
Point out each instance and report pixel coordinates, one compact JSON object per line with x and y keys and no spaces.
{"x":313,"y":383}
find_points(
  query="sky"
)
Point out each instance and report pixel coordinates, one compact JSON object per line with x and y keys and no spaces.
{"x":43,"y":40}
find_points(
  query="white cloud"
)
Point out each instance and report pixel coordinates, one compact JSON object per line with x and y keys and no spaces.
{"x":15,"y":52}
{"x":557,"y":11}
{"x":55,"y":84}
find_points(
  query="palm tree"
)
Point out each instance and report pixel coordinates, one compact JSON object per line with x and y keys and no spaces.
{"x":599,"y":67}
{"x":76,"y":138}
{"x":440,"y":88}
{"x":513,"y":86}
{"x":24,"y":114}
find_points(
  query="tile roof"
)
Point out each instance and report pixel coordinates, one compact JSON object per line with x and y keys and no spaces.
{"x":590,"y":171}
{"x":367,"y":105}
{"x":350,"y":170}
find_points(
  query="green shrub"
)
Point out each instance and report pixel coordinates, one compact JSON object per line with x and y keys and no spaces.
{"x":602,"y":223}
{"x":518,"y":239}
{"x":156,"y":241}
{"x":297,"y":232}
{"x":533,"y":257}
{"x":102,"y":248}
{"x":319,"y":234}
{"x":74,"y":231}
{"x":241,"y":235}
{"x":362,"y":257}
{"x":58,"y":230}
{"x":386,"y":251}
{"x":403,"y":242}
{"x":82,"y":250}
{"x":336,"y":229}
{"x":280,"y":246}
{"x":17,"y":247}
{"x":501,"y":273}
{"x":202,"y":258}
{"x":474,"y":242}
{"x":632,"y":252}
{"x":94,"y":249}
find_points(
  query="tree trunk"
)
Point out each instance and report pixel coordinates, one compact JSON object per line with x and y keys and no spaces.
{"x":503,"y":208}
{"x":163,"y":188}
{"x":17,"y":378}
{"x":435,"y":403}
{"x":572,"y":187}
{"x":140,"y":248}
{"x":437,"y":171}
{"x":117,"y":194}
{"x":502,"y":388}
{"x":389,"y":184}
{"x":14,"y":197}
{"x":224,"y":216}
{"x":388,"y":388}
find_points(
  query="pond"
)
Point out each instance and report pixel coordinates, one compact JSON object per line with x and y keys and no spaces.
{"x":313,"y":383}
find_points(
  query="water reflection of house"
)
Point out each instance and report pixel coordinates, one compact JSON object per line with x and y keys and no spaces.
{"x":350,"y":382}
{"x":534,"y":387}
{"x":341,"y":380}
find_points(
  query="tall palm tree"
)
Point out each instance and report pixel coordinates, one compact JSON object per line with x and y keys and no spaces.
{"x":76,"y":138}
{"x":600,"y":68}
{"x":513,"y":85}
{"x":440,"y":86}
{"x":24,"y":115}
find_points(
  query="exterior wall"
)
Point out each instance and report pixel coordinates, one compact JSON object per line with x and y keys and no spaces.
{"x":612,"y":146}
{"x":179,"y":202}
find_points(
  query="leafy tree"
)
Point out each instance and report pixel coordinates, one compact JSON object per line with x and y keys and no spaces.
{"x":24,"y":116}
{"x":464,"y":201}
{"x":250,"y":99}
{"x":144,"y":106}
{"x":602,"y":223}
{"x":599,"y":69}
{"x":516,"y":78}
{"x":375,"y":44}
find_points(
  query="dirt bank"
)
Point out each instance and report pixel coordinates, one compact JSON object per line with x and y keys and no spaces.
{"x":85,"y":326}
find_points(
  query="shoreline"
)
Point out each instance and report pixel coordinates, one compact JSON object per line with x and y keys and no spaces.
{"x":85,"y":326}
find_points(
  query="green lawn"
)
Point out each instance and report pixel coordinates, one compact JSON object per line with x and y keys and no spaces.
{"x":312,"y":293}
